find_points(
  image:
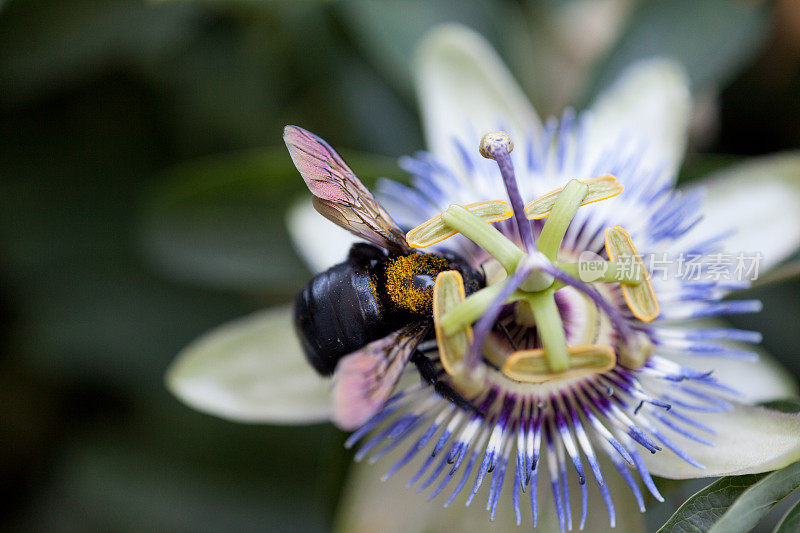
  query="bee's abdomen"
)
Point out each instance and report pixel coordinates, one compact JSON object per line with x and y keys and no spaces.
{"x":338,"y":312}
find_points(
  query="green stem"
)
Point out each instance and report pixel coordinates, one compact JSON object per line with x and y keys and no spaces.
{"x":471,"y":309}
{"x":561,"y":215}
{"x":613,"y":271}
{"x":484,"y":235}
{"x":495,"y":243}
{"x":551,"y":330}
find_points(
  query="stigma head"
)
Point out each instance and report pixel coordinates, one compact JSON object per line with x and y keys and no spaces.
{"x":495,"y":140}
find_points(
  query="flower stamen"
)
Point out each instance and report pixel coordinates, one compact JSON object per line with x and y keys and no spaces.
{"x":564,"y":209}
{"x":436,"y":229}
{"x":641,"y":298}
{"x":600,"y":188}
{"x":471,"y":309}
{"x":551,"y":330}
{"x":531,"y":366}
{"x":448,"y":291}
{"x":609,"y":271}
{"x":484,"y":235}
{"x":531,"y":278}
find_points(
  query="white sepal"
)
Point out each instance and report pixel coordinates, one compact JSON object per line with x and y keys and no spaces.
{"x":748,"y":439}
{"x":463,"y":85}
{"x":649,"y":103}
{"x":251,"y":370}
{"x":758,"y":199}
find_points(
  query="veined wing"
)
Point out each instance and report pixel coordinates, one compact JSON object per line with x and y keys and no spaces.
{"x":365,"y":379}
{"x":339,"y":195}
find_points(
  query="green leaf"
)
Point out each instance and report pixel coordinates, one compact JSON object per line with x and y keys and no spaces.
{"x":232,"y":83}
{"x":699,"y":165}
{"x":756,"y":501}
{"x":220,"y":222}
{"x":789,"y":405}
{"x":699,"y":512}
{"x":190,"y":472}
{"x":790,"y":522}
{"x":713,"y":503}
{"x":34,"y":59}
{"x":735,"y":503}
{"x":713,"y":39}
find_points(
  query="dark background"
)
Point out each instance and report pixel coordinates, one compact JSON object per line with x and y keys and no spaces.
{"x":142,"y":190}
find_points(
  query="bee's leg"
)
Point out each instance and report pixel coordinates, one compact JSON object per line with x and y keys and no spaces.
{"x":426,"y":370}
{"x":429,"y":374}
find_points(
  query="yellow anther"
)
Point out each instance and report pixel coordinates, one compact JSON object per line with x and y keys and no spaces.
{"x":448,"y":291}
{"x":530,"y":366}
{"x":635,"y":353}
{"x":641,"y":298}
{"x":435,"y":230}
{"x":600,"y":188}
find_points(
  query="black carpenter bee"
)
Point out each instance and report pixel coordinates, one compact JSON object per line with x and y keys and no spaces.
{"x":363,"y":319}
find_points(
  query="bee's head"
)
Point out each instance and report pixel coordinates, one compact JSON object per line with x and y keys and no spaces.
{"x":409,"y":280}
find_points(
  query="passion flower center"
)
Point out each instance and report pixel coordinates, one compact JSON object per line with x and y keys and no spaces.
{"x":533,"y":276}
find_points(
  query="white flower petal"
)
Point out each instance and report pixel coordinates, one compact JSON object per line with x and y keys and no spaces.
{"x":760,"y":198}
{"x":650,"y":102}
{"x":251,"y":370}
{"x":759,"y":381}
{"x":318,"y":240}
{"x":369,"y":504}
{"x":749,"y":439}
{"x":462,"y":83}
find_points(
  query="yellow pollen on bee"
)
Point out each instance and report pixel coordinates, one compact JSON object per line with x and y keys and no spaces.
{"x":373,"y":288}
{"x":400,"y":285}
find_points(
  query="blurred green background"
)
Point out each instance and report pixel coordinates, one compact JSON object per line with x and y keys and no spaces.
{"x":143,"y":184}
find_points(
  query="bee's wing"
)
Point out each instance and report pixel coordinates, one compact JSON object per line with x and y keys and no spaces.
{"x":339,"y":195}
{"x":364,"y":379}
